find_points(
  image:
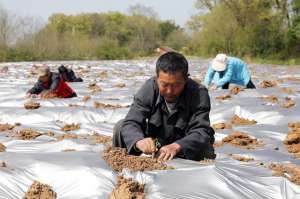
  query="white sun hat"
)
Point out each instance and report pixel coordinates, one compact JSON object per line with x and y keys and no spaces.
{"x":219,"y":62}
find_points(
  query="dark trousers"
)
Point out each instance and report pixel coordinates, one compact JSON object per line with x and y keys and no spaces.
{"x":249,"y":85}
{"x":117,"y":141}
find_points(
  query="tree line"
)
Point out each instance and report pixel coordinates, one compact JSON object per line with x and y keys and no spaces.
{"x":267,"y":29}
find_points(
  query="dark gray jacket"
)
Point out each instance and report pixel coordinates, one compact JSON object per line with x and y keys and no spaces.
{"x":51,"y":85}
{"x":189,"y":126}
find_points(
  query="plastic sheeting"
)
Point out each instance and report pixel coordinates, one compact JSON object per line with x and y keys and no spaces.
{"x":84,"y":174}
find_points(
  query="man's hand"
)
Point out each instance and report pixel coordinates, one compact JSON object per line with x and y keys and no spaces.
{"x":146,"y":145}
{"x":213,"y":87}
{"x":168,"y":152}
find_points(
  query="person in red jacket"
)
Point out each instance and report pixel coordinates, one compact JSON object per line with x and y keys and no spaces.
{"x":50,"y":84}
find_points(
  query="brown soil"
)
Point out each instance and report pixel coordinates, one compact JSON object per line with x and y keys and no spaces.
{"x":241,"y":158}
{"x":221,"y":126}
{"x":100,"y":139}
{"x":117,"y":159}
{"x":86,"y":98}
{"x":40,"y":191}
{"x":68,"y":150}
{"x":288,"y":103}
{"x":235,"y":90}
{"x":292,"y":140}
{"x":26,"y":134}
{"x":112,"y":106}
{"x":289,"y":171}
{"x":103,"y":75}
{"x":51,"y":134}
{"x":287,"y":90}
{"x":2,"y":147}
{"x":94,"y":88}
{"x":3,"y":165}
{"x":223,"y":97}
{"x":6,"y":127}
{"x":48,"y":95}
{"x":271,"y":98}
{"x":31,"y":105}
{"x":268,"y":83}
{"x":70,"y":127}
{"x":67,"y":136}
{"x":294,"y":125}
{"x":120,"y":85}
{"x":127,"y":189}
{"x":236,"y":120}
{"x":207,"y":161}
{"x":241,"y":140}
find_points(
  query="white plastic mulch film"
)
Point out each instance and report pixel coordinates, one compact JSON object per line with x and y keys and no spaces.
{"x":82,"y":173}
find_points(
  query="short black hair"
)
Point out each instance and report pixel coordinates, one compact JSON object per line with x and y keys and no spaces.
{"x":172,"y":62}
{"x":62,"y":69}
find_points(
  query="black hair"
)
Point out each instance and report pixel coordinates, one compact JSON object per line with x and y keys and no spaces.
{"x":62,"y":69}
{"x":172,"y":62}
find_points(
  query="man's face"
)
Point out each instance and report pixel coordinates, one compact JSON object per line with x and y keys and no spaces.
{"x":44,"y":78}
{"x":171,"y":85}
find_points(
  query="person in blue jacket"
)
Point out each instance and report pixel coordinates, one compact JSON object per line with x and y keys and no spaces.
{"x":225,"y":70}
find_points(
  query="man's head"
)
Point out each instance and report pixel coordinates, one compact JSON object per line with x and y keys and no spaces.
{"x":172,"y":74}
{"x":219,"y":63}
{"x":43,"y":73}
{"x":62,"y":69}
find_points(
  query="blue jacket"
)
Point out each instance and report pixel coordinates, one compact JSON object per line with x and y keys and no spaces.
{"x":236,"y":72}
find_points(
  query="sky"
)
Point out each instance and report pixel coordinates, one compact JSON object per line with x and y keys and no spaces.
{"x":178,"y":10}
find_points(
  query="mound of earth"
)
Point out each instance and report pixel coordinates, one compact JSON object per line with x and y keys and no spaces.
{"x":6,"y":127}
{"x":292,"y":140}
{"x":268,"y":83}
{"x":103,"y":75}
{"x":221,"y":125}
{"x":223,"y":97}
{"x":289,"y":171}
{"x":288,"y":103}
{"x":67,"y":136}
{"x":86,"y":98}
{"x":117,"y":159}
{"x":287,"y":90}
{"x":100,"y":139}
{"x":127,"y":189}
{"x":31,"y":105}
{"x":112,"y":106}
{"x":70,"y":127}
{"x":68,"y":150}
{"x":120,"y":85}
{"x":2,"y":147}
{"x":26,"y":134}
{"x":241,"y":158}
{"x":236,"y":120}
{"x":40,"y":191}
{"x":94,"y":88}
{"x":240,"y":139}
{"x":48,"y":95}
{"x":271,"y":98}
{"x":235,"y":90}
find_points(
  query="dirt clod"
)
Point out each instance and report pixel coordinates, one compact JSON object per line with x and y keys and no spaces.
{"x":268,"y":83}
{"x":26,"y":134}
{"x":288,"y":103}
{"x":223,"y":97}
{"x":2,"y":147}
{"x":40,"y":191}
{"x":112,"y":106}
{"x":240,"y":139}
{"x":6,"y":127}
{"x":100,"y":139}
{"x":31,"y":105}
{"x":117,"y":159}
{"x":94,"y":88}
{"x":241,"y":158}
{"x":120,"y":85}
{"x":289,"y":171}
{"x":70,"y":127}
{"x":221,"y":125}
{"x":236,"y":120}
{"x":127,"y":189}
{"x":271,"y":98}
{"x":292,"y":140}
{"x":86,"y":98}
{"x":67,"y":136}
{"x":235,"y":90}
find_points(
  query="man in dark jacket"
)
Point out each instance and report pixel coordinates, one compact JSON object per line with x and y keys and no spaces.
{"x":169,"y":115}
{"x":50,"y":84}
{"x":68,"y":74}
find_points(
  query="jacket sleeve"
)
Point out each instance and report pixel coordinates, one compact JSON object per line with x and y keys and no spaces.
{"x":55,"y":82}
{"x":134,"y":124}
{"x":199,"y":133}
{"x":209,"y":76}
{"x":227,"y":76}
{"x":36,"y":89}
